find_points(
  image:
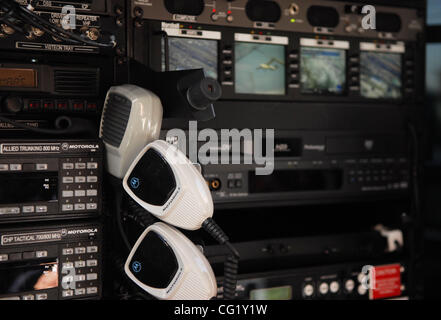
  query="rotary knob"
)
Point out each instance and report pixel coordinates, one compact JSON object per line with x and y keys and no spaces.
{"x":13,"y":104}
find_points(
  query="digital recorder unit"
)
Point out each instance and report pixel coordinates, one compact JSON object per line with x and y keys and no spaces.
{"x":51,"y":262}
{"x":307,"y":167}
{"x":50,"y":179}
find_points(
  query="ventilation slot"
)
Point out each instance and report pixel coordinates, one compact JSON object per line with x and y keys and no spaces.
{"x":78,"y":82}
{"x":115,"y":118}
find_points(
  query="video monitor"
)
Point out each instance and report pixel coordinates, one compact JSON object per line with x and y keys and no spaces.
{"x":190,"y":53}
{"x":380,"y":76}
{"x":259,"y":68}
{"x":322,"y":70}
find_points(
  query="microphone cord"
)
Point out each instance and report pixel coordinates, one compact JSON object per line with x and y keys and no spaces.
{"x":231,"y":264}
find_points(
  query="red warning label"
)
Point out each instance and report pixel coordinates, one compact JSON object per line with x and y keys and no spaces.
{"x":385,"y":282}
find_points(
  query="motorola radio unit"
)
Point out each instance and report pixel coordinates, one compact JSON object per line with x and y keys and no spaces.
{"x":52,"y":262}
{"x":50,"y":179}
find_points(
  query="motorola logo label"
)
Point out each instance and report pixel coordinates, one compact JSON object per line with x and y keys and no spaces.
{"x":136,"y":266}
{"x":82,"y":231}
{"x":134,"y":183}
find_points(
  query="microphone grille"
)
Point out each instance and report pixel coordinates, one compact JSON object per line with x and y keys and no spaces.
{"x":116,"y":116}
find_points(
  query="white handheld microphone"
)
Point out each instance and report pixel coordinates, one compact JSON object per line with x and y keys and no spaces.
{"x":167,"y":265}
{"x":163,"y":181}
{"x":132,"y":117}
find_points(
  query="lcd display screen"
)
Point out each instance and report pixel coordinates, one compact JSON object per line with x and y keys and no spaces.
{"x":18,"y":278}
{"x":380,"y":76}
{"x":278,"y":293}
{"x":322,"y":70}
{"x":259,"y":68}
{"x":189,"y":53}
{"x":34,"y":187}
{"x":18,"y":78}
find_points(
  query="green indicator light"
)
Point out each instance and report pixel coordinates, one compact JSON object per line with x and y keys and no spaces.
{"x":293,"y":20}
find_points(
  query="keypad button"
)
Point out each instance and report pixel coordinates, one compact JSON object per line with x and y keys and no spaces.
{"x":68,"y":166}
{"x":92,"y":193}
{"x":92,"y":263}
{"x":15,"y":167}
{"x":80,"y":179}
{"x":80,"y":277}
{"x":41,"y":209}
{"x":91,"y":206}
{"x":68,"y":179}
{"x":79,"y":292}
{"x":41,"y":166}
{"x":80,"y":250}
{"x":92,"y":249}
{"x":92,"y":165}
{"x":80,"y":166}
{"x":68,"y":251}
{"x":67,"y":207}
{"x":92,"y":276}
{"x":92,"y":179}
{"x":41,"y":296}
{"x":41,"y":254}
{"x":4,"y":257}
{"x":10,"y":298}
{"x":80,"y":264}
{"x":80,"y":193}
{"x":28,"y":209}
{"x":68,"y":265}
{"x":28,"y":297}
{"x":67,"y":194}
{"x":14,"y":210}
{"x":67,"y":293}
{"x":80,"y":206}
{"x":92,"y":290}
{"x":4,"y":167}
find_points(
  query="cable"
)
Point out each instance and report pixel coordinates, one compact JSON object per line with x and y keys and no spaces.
{"x":141,"y":214}
{"x":219,"y":235}
{"x":27,"y":15}
{"x":66,"y":34}
{"x":231,"y":264}
{"x":119,"y":222}
{"x":231,"y":267}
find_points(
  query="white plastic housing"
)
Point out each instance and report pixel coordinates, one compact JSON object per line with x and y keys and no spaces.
{"x":194,"y":279}
{"x":191,"y":203}
{"x":143,"y":127}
